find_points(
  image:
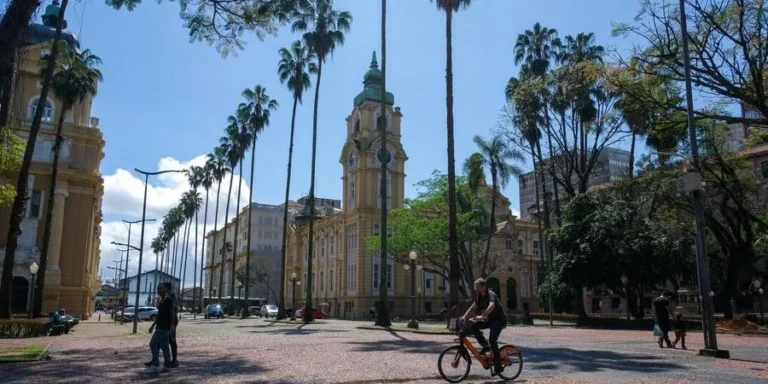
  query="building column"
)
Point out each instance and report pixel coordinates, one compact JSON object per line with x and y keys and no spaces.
{"x":53,"y":273}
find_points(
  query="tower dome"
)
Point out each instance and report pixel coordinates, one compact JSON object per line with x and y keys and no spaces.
{"x":372,"y":83}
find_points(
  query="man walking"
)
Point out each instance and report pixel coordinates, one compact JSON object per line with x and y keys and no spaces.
{"x":172,"y":337}
{"x":661,"y":313}
{"x":164,"y":323}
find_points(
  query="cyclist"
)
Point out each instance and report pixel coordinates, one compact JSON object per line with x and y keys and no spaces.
{"x":489,"y":314}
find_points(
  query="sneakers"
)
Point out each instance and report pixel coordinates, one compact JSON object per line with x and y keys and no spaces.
{"x":173,"y":364}
{"x":148,"y":364}
{"x":496,"y":369}
{"x":485,"y":350}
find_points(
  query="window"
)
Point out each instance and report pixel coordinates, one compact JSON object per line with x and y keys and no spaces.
{"x":508,"y":244}
{"x":524,"y":286}
{"x":274,"y":235}
{"x":764,"y":166}
{"x":351,"y":257}
{"x":357,"y":125}
{"x":259,"y":235}
{"x":389,"y":275}
{"x":322,"y":281}
{"x":375,"y":271}
{"x":427,"y":281}
{"x":535,"y":247}
{"x":521,"y":243}
{"x":330,"y":280}
{"x":330,"y":245}
{"x":314,"y":282}
{"x":376,"y":229}
{"x":428,"y":307}
{"x":35,"y":204}
{"x":47,"y":112}
{"x":351,"y":200}
{"x":322,"y":247}
{"x":261,"y":220}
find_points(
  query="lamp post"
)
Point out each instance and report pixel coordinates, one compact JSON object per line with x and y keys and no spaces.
{"x":125,"y":289}
{"x":128,"y":249}
{"x":239,"y":296}
{"x":418,"y":292}
{"x":625,"y":281}
{"x":756,"y":287}
{"x":412,"y":265}
{"x":694,"y":184}
{"x":33,"y":272}
{"x":141,"y":238}
{"x":293,"y":295}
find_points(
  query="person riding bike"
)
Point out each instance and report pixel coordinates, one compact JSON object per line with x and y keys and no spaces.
{"x":488,"y":314}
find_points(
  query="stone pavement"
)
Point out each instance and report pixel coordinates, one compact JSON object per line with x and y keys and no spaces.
{"x":259,"y":351}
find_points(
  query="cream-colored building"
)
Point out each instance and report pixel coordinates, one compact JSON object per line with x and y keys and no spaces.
{"x":345,"y":276}
{"x":72,"y":279}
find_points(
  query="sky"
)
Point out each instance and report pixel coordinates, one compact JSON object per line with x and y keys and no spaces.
{"x":164,"y":100}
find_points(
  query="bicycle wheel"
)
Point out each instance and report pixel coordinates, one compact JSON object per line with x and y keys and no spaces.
{"x":512,"y":360}
{"x":450,"y":364}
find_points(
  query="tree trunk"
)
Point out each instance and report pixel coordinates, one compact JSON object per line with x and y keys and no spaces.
{"x":245,"y":311}
{"x":177,"y":268}
{"x":194,"y":267}
{"x":19,"y":202}
{"x":38,"y":300}
{"x":202,"y":254}
{"x":13,"y":28}
{"x":281,"y":305}
{"x":492,"y":221}
{"x":234,"y":242}
{"x":183,"y":262}
{"x":383,"y":313}
{"x":632,"y":157}
{"x":311,"y":242}
{"x":224,"y":241}
{"x":215,"y":224}
{"x":453,"y":238}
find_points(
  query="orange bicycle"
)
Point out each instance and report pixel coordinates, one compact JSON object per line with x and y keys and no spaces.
{"x":458,"y":358}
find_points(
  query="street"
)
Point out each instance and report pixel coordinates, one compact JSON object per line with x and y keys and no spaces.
{"x":333,"y":351}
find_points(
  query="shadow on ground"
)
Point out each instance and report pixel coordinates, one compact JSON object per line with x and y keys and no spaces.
{"x":594,"y":361}
{"x":95,"y":366}
{"x":401,"y":343}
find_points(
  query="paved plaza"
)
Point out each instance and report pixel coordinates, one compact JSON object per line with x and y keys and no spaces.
{"x":332,"y":351}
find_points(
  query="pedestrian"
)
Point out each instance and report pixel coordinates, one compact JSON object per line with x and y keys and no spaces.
{"x":661,"y":313}
{"x":160,"y":337}
{"x":172,"y":336}
{"x":372,"y":311}
{"x":678,"y":325}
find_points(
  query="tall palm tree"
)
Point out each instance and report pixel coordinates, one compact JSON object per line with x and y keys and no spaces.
{"x":207,"y":178}
{"x":196,"y":175}
{"x":296,"y":64}
{"x":450,"y":7}
{"x":382,"y":319}
{"x":75,"y":81}
{"x":324,"y":29}
{"x":18,"y":14}
{"x":259,"y":106}
{"x":191,"y":202}
{"x":217,"y":161}
{"x":497,"y":158}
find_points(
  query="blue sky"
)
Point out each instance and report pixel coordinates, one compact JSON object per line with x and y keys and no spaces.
{"x":164,"y":97}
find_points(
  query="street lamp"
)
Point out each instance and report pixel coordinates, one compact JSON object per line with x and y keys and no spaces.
{"x":702,"y":261}
{"x":625,"y":281}
{"x":412,"y":265}
{"x":128,"y":250}
{"x":33,"y":272}
{"x":294,"y":283}
{"x":141,"y":239}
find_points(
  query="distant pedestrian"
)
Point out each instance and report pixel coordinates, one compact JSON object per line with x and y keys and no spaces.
{"x":678,"y":325}
{"x":373,"y":311}
{"x":661,"y":313}
{"x":172,"y":336}
{"x":160,"y":337}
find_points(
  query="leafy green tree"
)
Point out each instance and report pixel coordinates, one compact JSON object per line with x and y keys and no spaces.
{"x":11,"y":156}
{"x":259,"y":106}
{"x":450,"y":7}
{"x":324,"y":29}
{"x":294,"y":69}
{"x":498,"y":159}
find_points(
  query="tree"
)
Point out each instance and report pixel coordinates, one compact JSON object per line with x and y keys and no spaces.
{"x":18,"y":9}
{"x":75,"y":81}
{"x":422,"y":226}
{"x":259,"y":106}
{"x":196,"y":176}
{"x":324,"y":29}
{"x":450,"y":7}
{"x":728,"y":41}
{"x":11,"y":156}
{"x":258,"y":275}
{"x":382,"y":318}
{"x":191,"y":202}
{"x":294,"y":68}
{"x":206,"y":181}
{"x":217,"y":163}
{"x":13,"y":27}
{"x":222,"y":23}
{"x":497,"y":158}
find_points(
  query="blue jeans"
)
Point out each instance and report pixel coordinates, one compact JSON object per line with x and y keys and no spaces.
{"x":160,"y":339}
{"x":493,"y":336}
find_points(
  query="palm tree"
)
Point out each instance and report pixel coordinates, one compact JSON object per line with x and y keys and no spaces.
{"x":196,"y":175}
{"x":217,"y":161}
{"x":324,"y":29}
{"x":450,"y":7}
{"x":18,"y":13}
{"x":191,"y":202}
{"x":259,"y":105}
{"x":382,"y":319}
{"x":207,"y":178}
{"x":296,"y":64}
{"x":496,"y":157}
{"x":72,"y":84}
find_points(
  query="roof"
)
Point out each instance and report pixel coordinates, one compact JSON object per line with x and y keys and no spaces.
{"x":45,"y":32}
{"x":373,"y":84}
{"x":756,"y":151}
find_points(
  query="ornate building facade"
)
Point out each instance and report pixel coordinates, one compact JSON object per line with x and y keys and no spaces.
{"x":346,"y":276}
{"x":71,"y":280}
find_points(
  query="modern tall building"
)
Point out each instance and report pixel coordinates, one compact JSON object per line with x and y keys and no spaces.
{"x":72,"y":279}
{"x":611,"y":165}
{"x":345,"y":275}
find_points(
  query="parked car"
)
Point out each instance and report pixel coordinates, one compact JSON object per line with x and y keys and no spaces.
{"x":214,"y":310}
{"x":269,"y":310}
{"x":316,"y":314}
{"x":254,"y":310}
{"x":147,"y":313}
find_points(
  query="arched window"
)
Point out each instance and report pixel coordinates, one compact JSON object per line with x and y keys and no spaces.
{"x":376,"y":117}
{"x":357,"y":124}
{"x":47,"y":112}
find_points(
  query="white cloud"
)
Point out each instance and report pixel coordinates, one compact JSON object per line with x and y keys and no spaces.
{"x":123,"y":198}
{"x":515,"y":212}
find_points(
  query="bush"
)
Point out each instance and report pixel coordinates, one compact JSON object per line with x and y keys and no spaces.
{"x":21,"y":328}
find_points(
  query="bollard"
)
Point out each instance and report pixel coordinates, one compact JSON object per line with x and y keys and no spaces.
{"x":99,"y":317}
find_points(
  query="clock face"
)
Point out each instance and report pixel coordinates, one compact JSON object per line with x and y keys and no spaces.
{"x":352,"y":159}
